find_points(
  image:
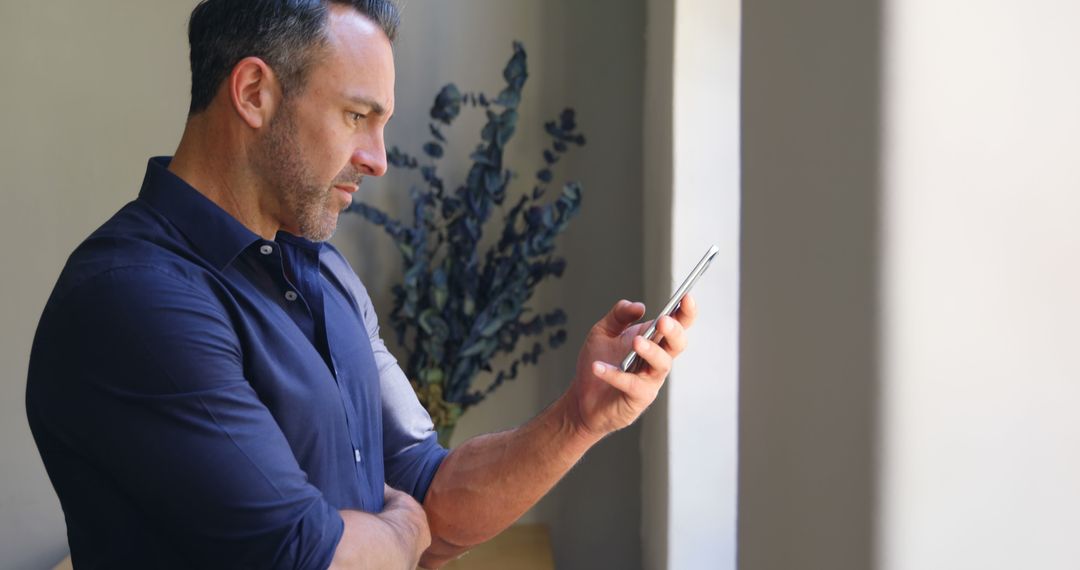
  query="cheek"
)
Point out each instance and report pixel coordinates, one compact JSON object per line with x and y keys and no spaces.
{"x":319,"y":156}
{"x":321,"y":146}
{"x":335,"y":152}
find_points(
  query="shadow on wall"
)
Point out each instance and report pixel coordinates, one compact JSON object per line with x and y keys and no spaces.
{"x":809,"y":385}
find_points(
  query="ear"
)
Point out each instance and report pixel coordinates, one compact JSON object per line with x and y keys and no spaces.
{"x":254,"y":91}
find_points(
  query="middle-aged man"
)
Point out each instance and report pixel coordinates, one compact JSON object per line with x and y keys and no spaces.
{"x":207,"y":385}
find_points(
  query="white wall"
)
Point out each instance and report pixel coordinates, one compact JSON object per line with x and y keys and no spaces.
{"x":689,"y":440}
{"x":703,"y":388}
{"x":90,"y":90}
{"x":982,"y":305}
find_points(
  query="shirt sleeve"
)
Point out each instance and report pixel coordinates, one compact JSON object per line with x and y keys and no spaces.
{"x":141,"y":371}
{"x":411,"y":450}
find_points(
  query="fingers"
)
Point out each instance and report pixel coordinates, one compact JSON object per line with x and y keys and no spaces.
{"x":687,"y":311}
{"x":629,"y":383}
{"x":620,"y":316}
{"x":671,"y":331}
{"x":624,"y":313}
{"x":388,"y":493}
{"x":392,"y":495}
{"x":673,"y":334}
{"x":657,"y":363}
{"x":655,"y":356}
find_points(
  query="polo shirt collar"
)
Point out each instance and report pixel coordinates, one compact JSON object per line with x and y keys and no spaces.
{"x":215,"y":234}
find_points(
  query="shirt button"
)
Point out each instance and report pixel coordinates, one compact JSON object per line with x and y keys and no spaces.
{"x":266,"y":249}
{"x":356,"y":454}
{"x":290,"y":295}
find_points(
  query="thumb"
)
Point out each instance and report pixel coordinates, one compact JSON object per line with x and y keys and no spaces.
{"x":613,"y":376}
{"x":623,"y":314}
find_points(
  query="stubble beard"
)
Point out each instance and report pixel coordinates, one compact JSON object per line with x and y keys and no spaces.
{"x":308,"y":202}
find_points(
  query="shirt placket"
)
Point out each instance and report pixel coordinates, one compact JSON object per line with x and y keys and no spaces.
{"x":303,"y":303}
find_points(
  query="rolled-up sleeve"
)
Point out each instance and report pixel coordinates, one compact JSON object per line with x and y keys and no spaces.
{"x":411,"y":449}
{"x":157,"y":401}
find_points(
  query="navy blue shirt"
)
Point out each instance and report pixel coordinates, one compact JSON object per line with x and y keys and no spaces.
{"x":205,"y":398}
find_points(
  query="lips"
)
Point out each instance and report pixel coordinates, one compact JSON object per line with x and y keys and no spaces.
{"x":346,"y":191}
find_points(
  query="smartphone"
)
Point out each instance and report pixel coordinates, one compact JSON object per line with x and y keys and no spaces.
{"x":631,"y":362}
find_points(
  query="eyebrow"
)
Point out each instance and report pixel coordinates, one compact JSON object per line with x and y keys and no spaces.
{"x":376,"y":107}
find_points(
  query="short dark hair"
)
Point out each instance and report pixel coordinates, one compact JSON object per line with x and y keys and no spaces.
{"x":286,"y":34}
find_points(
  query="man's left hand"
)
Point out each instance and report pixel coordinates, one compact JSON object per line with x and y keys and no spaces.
{"x":604,"y":397}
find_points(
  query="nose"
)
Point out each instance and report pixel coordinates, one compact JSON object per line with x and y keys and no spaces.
{"x":370,"y":156}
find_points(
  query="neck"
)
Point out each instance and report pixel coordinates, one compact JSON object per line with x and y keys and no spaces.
{"x":217,"y":163}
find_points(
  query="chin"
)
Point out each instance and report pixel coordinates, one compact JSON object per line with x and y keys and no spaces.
{"x":324,"y":231}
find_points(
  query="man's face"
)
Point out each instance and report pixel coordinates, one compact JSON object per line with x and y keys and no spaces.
{"x":323,"y":140}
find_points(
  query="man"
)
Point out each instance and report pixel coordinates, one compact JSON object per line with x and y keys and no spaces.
{"x":207,"y":385}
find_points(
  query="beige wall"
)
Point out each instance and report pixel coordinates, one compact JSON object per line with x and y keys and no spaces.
{"x":588,"y":56}
{"x":656,"y":255}
{"x":809,"y":318}
{"x":90,"y":90}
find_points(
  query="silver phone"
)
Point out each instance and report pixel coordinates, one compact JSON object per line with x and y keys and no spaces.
{"x":631,"y":362}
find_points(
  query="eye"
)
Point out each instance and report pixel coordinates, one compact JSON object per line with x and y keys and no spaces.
{"x":356,"y":117}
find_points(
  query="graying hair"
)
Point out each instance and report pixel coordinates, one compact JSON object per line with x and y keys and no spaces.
{"x":287,"y":34}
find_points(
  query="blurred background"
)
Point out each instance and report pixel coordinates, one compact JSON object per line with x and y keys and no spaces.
{"x":884,"y":373}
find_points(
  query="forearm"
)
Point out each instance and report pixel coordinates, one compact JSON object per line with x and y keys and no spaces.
{"x":487,"y":483}
{"x":379,"y":541}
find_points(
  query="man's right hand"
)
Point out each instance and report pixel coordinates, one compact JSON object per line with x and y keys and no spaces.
{"x":403,"y":512}
{"x":393,"y":539}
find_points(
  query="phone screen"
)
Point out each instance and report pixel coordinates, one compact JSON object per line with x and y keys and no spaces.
{"x":631,"y":362}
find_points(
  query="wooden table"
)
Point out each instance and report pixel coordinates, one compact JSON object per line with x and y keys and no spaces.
{"x":520,"y":547}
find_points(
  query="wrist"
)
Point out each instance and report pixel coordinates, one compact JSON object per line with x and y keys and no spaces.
{"x":410,"y":530}
{"x":572,"y":426}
